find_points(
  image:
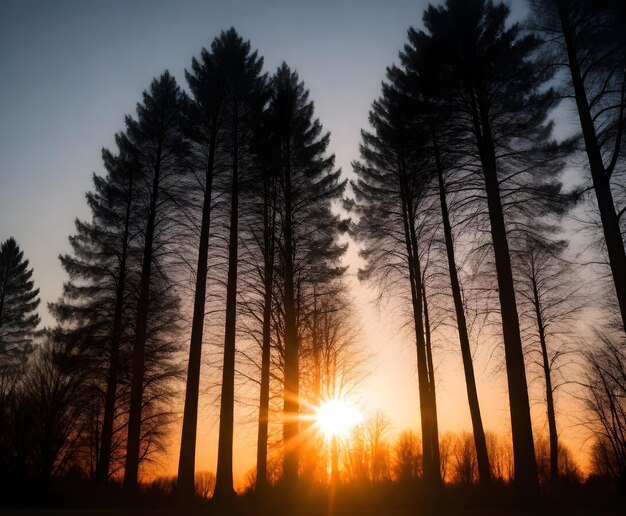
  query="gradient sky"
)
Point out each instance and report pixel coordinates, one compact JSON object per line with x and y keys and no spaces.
{"x":70,"y":70}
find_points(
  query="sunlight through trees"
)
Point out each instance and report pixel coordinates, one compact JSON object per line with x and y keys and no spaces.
{"x":209,"y":287}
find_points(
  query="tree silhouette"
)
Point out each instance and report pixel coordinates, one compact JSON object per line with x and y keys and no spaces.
{"x":125,"y":191}
{"x":549,"y":299}
{"x":283,"y":103}
{"x":203,"y":120}
{"x":155,"y":134}
{"x":470,"y":381}
{"x":588,"y":39}
{"x":240,"y":71}
{"x":407,"y":463}
{"x":18,"y":321}
{"x":605,"y":399}
{"x":263,"y":229}
{"x":307,"y":248}
{"x":18,"y":304}
{"x":52,"y":394}
{"x":97,"y":310}
{"x":486,"y":74}
{"x":441,"y":147}
{"x":390,"y":192}
{"x":95,"y":303}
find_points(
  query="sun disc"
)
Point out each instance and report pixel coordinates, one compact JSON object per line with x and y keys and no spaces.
{"x":337,"y":418}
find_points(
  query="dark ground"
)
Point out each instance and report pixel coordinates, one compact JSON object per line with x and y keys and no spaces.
{"x":80,"y":497}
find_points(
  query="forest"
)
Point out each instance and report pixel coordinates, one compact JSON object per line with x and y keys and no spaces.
{"x":486,"y":208}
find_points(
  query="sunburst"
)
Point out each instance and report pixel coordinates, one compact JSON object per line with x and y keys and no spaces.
{"x":337,"y":417}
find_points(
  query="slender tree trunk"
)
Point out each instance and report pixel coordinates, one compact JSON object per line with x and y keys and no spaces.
{"x":269,"y":237}
{"x":484,"y":470}
{"x":310,"y":450}
{"x":187,"y":460}
{"x":541,"y":330}
{"x":432,"y":474}
{"x":291,"y":396}
{"x":431,"y":381}
{"x":315,"y":345}
{"x":261,"y":458}
{"x":521,"y":426}
{"x":224,"y":475}
{"x":131,"y":469}
{"x":104,"y":457}
{"x":600,"y":176}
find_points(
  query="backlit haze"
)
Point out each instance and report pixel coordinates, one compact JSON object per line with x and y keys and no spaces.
{"x":71,"y":70}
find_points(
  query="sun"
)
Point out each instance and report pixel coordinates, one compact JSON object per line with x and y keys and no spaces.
{"x":337,"y":418}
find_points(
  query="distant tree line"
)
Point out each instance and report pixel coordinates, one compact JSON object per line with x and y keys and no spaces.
{"x":217,"y":222}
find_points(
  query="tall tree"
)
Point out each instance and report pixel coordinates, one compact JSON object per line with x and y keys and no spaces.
{"x":486,"y":73}
{"x":265,"y":236}
{"x":588,"y":39}
{"x":550,"y":301}
{"x":202,"y":126}
{"x":97,"y":312}
{"x":390,"y":195}
{"x":283,"y":103}
{"x":307,"y":187}
{"x":18,"y":304}
{"x":156,"y":136}
{"x":95,"y":303}
{"x":120,"y":187}
{"x":240,"y":73}
{"x":430,"y":114}
{"x":484,"y":470}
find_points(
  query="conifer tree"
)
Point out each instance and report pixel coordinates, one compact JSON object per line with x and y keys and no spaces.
{"x":587,"y":38}
{"x":98,"y":308}
{"x":487,"y":75}
{"x":95,"y":305}
{"x":480,"y":442}
{"x":156,"y":136}
{"x":264,"y":233}
{"x":442,"y":148}
{"x":390,"y":193}
{"x":123,"y":196}
{"x":307,"y":247}
{"x":18,"y":304}
{"x":239,"y":70}
{"x":203,"y":127}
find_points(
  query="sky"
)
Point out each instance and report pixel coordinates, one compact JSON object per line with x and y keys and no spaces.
{"x":71,"y":70}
